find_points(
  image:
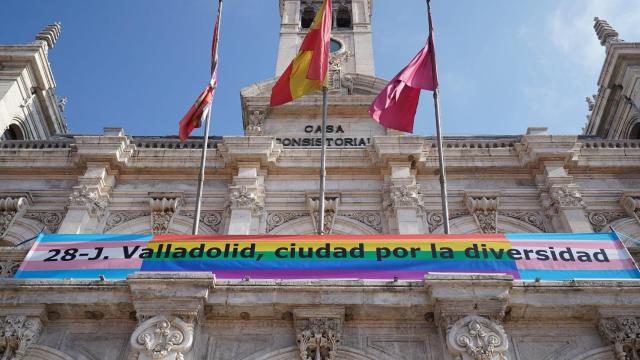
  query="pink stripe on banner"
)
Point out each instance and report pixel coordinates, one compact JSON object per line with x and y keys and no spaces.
{"x":82,"y":264}
{"x":575,"y":265}
{"x":87,"y":245}
{"x":569,"y":243}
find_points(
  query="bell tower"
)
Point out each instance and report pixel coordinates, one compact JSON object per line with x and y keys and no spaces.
{"x":351,"y":43}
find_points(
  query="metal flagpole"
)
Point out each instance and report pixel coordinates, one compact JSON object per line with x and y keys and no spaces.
{"x":323,"y":158}
{"x":205,"y":142}
{"x":436,"y":102}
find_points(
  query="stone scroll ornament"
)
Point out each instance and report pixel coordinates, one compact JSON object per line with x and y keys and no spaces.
{"x":319,"y":339}
{"x":17,"y":333}
{"x":477,"y":338}
{"x":10,"y":209}
{"x":162,"y":338}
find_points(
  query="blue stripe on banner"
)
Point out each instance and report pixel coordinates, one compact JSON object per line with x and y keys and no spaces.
{"x":559,"y":237}
{"x":399,"y":265}
{"x":109,"y":274}
{"x":93,"y":237}
{"x":629,"y":274}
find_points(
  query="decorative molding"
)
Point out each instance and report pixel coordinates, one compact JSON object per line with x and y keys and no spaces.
{"x":89,"y":198}
{"x":318,"y":338}
{"x":163,"y":210}
{"x":623,"y":334}
{"x":336,"y":61}
{"x":118,"y":218}
{"x":600,"y":219}
{"x":371,"y":219}
{"x":10,"y":261}
{"x":162,"y":338}
{"x":477,"y":338}
{"x":566,"y":197}
{"x":10,"y":209}
{"x":278,"y":218}
{"x":17,"y":333}
{"x":330,"y":208}
{"x":50,"y":219}
{"x":530,"y":217}
{"x":213,"y":219}
{"x":485,"y":211}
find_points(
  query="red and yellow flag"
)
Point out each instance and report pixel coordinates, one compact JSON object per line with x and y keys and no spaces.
{"x":201,"y":108}
{"x":308,"y":70}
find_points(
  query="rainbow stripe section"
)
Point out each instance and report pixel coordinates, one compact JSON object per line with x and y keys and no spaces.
{"x":295,"y":257}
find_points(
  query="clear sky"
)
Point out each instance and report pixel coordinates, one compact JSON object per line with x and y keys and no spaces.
{"x":504,"y":65}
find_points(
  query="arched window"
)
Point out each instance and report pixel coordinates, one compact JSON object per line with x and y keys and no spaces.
{"x":634,"y":134}
{"x":343,"y":17}
{"x":13,"y":132}
{"x":308,"y":13}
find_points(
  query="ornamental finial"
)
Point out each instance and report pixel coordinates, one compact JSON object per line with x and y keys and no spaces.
{"x":606,"y":33}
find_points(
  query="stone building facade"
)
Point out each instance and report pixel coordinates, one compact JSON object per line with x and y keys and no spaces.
{"x":266,"y":182}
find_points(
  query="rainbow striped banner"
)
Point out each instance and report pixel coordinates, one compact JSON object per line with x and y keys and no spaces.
{"x":332,"y":257}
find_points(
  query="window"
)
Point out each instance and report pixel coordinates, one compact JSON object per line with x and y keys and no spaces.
{"x":343,"y":17}
{"x":308,"y":13}
{"x":13,"y":132}
{"x":635,"y":132}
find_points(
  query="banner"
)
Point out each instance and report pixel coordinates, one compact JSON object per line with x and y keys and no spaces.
{"x":331,"y":257}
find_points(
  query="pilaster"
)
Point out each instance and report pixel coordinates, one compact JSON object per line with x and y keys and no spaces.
{"x":246,"y":200}
{"x":563,"y":200}
{"x":403,"y":200}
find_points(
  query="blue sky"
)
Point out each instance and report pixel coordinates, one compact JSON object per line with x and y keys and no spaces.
{"x":504,"y":65}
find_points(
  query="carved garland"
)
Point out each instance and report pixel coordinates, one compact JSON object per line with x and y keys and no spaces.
{"x":162,"y":338}
{"x":51,"y":219}
{"x":600,"y":219}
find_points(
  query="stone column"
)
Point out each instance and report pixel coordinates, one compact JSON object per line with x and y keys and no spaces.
{"x":563,"y":200}
{"x":404,"y":200}
{"x":246,"y":200}
{"x":20,"y":328}
{"x":169,"y":308}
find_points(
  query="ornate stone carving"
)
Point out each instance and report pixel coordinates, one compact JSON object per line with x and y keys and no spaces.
{"x":349,"y":84}
{"x":50,"y":219}
{"x":566,"y":197}
{"x":90,"y":199}
{"x":213,"y":219}
{"x":485,"y":212}
{"x":369,"y":218}
{"x":406,"y":196}
{"x":49,"y":35}
{"x":10,"y":208}
{"x":606,"y":33}
{"x":256,"y":122}
{"x":330,"y":209}
{"x":277,"y":218}
{"x":162,"y":338}
{"x":163,"y":210}
{"x":477,"y":338}
{"x":9,"y":267}
{"x":532,"y":218}
{"x":435,"y":220}
{"x":631,"y":205}
{"x":319,"y":339}
{"x":623,"y":334}
{"x":336,"y":60}
{"x":17,"y":333}
{"x":118,"y":218}
{"x":242,"y":197}
{"x":600,"y":219}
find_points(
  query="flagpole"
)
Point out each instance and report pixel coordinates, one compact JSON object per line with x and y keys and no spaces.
{"x":436,"y":102}
{"x":323,"y":160}
{"x":205,"y":145}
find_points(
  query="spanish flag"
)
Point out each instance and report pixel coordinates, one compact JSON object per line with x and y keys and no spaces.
{"x":308,"y":70}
